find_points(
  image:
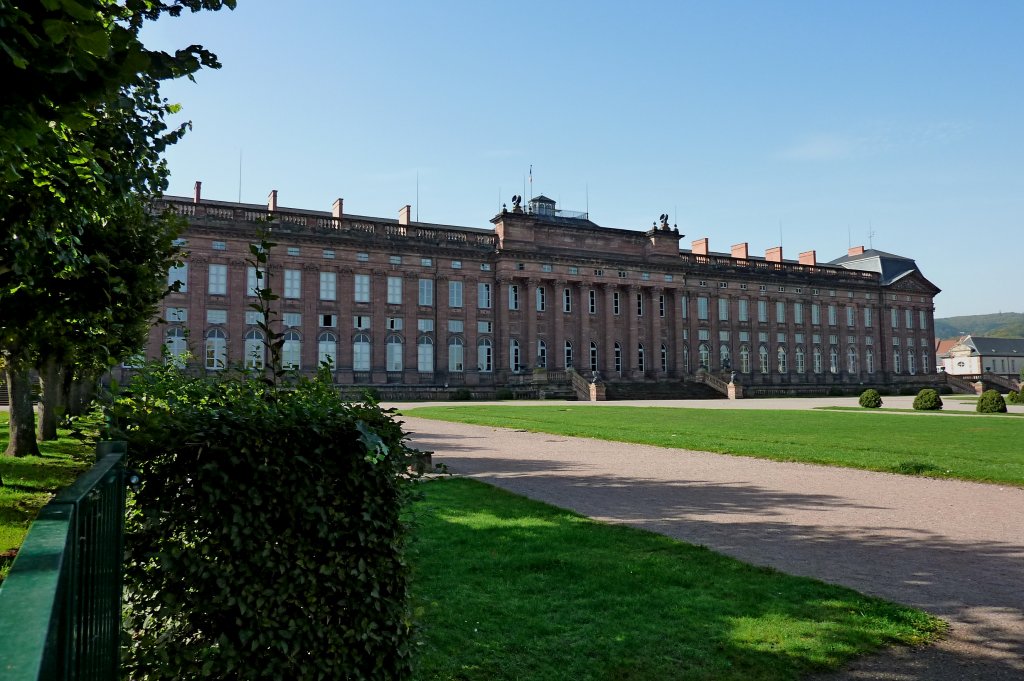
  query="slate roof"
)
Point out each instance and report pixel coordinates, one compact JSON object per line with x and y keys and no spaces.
{"x":889,"y":265}
{"x":986,"y":346}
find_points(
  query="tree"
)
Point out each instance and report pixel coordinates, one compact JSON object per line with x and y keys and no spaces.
{"x":81,"y":133}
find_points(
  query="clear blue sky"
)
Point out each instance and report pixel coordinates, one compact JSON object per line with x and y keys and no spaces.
{"x":813,"y":124}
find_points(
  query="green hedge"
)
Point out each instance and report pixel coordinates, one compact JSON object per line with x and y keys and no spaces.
{"x":991,"y":402}
{"x":266,"y":541}
{"x":928,"y":400}
{"x":870,"y":399}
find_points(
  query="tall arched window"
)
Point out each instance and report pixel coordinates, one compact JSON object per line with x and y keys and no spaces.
{"x":800,"y":360}
{"x":851,"y":359}
{"x":618,"y":359}
{"x":817,"y":359}
{"x":664,"y":358}
{"x":456,"y":354}
{"x":781,"y":355}
{"x":745,"y":359}
{"x":833,"y":359}
{"x":393,"y":353}
{"x":593,"y":356}
{"x":216,"y":350}
{"x":361,"y":352}
{"x":514,"y":355}
{"x":924,"y":362}
{"x":485,"y":355}
{"x":255,"y":349}
{"x":686,"y":358}
{"x":896,"y":361}
{"x":723,"y":356}
{"x":911,"y":366}
{"x":327,"y":349}
{"x":542,"y":354}
{"x":641,"y":358}
{"x":869,"y":360}
{"x":568,"y":354}
{"x":425,"y":355}
{"x":291,"y":350}
{"x":704,"y":355}
{"x":762,"y":356}
{"x":177,"y":348}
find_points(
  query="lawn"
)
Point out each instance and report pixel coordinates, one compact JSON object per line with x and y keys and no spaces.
{"x":509,"y":588}
{"x":971,"y":447}
{"x":29,"y":482}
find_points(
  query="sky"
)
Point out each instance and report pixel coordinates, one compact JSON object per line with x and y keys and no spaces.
{"x":810,"y":125}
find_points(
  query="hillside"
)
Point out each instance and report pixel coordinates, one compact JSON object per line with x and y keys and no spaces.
{"x":1000,"y":325}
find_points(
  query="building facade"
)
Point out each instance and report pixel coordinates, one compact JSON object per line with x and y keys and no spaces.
{"x":977,"y":355}
{"x":394,"y":301}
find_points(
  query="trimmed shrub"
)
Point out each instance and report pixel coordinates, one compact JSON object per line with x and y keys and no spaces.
{"x":1014,"y":397}
{"x":991,"y":402}
{"x":266,"y":540}
{"x":870,"y":399}
{"x":928,"y":400}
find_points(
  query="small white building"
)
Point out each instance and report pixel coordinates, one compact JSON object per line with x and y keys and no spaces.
{"x":974,"y":355}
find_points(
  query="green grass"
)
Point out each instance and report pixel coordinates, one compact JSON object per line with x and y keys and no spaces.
{"x":941,"y":412}
{"x":509,"y":588}
{"x":981,"y":448}
{"x":29,"y":482}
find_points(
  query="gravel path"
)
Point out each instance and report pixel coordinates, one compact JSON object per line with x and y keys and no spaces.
{"x":955,"y":549}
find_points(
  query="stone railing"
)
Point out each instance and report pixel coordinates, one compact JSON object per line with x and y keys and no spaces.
{"x":767,"y":266}
{"x":586,"y":391}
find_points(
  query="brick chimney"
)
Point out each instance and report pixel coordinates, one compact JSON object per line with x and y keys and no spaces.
{"x":197,"y":193}
{"x":699,"y":247}
{"x":338,"y":209}
{"x":403,"y":214}
{"x":856,"y":250}
{"x":809,"y":258}
{"x":773,"y":254}
{"x":740,"y":251}
{"x":272,"y":200}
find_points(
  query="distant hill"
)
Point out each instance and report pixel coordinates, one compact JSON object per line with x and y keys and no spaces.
{"x":1000,"y":325}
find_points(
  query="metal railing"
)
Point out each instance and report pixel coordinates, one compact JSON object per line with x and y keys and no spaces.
{"x":60,"y":606}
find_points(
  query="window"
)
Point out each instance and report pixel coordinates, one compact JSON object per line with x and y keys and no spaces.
{"x":922,"y":322}
{"x":895,"y":317}
{"x":426,"y":288}
{"x":684,"y":304}
{"x":425,"y":355}
{"x":815,"y":314}
{"x":485,"y":267}
{"x":618,"y":359}
{"x":362,"y":257}
{"x":867,"y":317}
{"x":395,"y":259}
{"x":485,"y":355}
{"x":520,"y":266}
{"x":293,"y":283}
{"x":216,"y":316}
{"x":598,"y":273}
{"x":723,"y":309}
{"x":593,"y":357}
{"x":219,"y":246}
{"x":780,"y":312}
{"x":252,"y":317}
{"x":542,"y":354}
{"x":668,"y":277}
{"x":361,"y":322}
{"x":567,"y":300}
{"x":456,"y":354}
{"x":393,"y":353}
{"x":911,"y":368}
{"x":177,"y":314}
{"x":798,"y":313}
{"x":851,"y":316}
{"x":704,"y":355}
{"x":177,"y":348}
{"x":574,"y":270}
{"x":292,"y":319}
{"x":851,"y":359}
{"x":567,"y":354}
{"x":781,"y":355}
{"x":909,"y":318}
{"x":743,"y":287}
{"x":178,"y":275}
{"x":253,"y":277}
{"x":361,"y":352}
{"x":293,"y":250}
{"x":456,"y":326}
{"x":661,"y":305}
{"x":426,"y":262}
{"x":456,"y":264}
{"x":869,"y":361}
{"x":291,"y":350}
{"x":328,"y":286}
{"x":424,"y":325}
{"x":832,"y":315}
{"x":686,"y":358}
{"x":362,"y":288}
{"x":623,"y":274}
{"x":483,"y":296}
{"x":592,"y":301}
{"x":762,"y":357}
{"x":924,"y":363}
{"x":328,"y":254}
{"x":218,"y":283}
{"x":816,"y":359}
{"x":394,"y":323}
{"x":327,"y":349}
{"x":615,"y":302}
{"x":799,"y":359}
{"x":484,"y":327}
{"x":702,"y":283}
{"x":745,"y":359}
{"x":454,"y":294}
{"x":514,"y":355}
{"x":394,"y":291}
{"x":545,"y":268}
{"x":639,"y":304}
{"x":641,"y":358}
{"x":541,"y":299}
{"x":702,"y":308}
{"x":833,"y":359}
{"x":513,"y":296}
{"x":255,"y":349}
{"x":723,"y":356}
{"x":762,"y":311}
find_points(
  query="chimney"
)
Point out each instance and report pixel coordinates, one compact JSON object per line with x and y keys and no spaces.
{"x":809,"y":258}
{"x":198,"y":192}
{"x":740,"y":251}
{"x":272,"y":200}
{"x":773,"y":254}
{"x":337,"y":210}
{"x":403,"y":214}
{"x":856,"y":250}
{"x":700,"y":246}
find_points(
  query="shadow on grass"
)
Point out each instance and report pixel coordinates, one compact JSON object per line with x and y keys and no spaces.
{"x":974,"y":584}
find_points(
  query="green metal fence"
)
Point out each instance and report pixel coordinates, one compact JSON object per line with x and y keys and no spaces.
{"x":60,"y":606}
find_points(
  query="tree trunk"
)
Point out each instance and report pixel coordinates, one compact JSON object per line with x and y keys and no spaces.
{"x":51,"y":381}
{"x":23,"y":431}
{"x":79,"y":396}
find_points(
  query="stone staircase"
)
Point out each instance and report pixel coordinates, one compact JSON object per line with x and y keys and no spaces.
{"x":661,"y":390}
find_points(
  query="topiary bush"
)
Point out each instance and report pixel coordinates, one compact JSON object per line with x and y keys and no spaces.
{"x":991,"y":402}
{"x":870,"y":399}
{"x":928,"y":400}
{"x":267,"y":538}
{"x":1013,"y":397}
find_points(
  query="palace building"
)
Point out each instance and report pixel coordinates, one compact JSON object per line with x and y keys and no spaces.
{"x":425,"y":307}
